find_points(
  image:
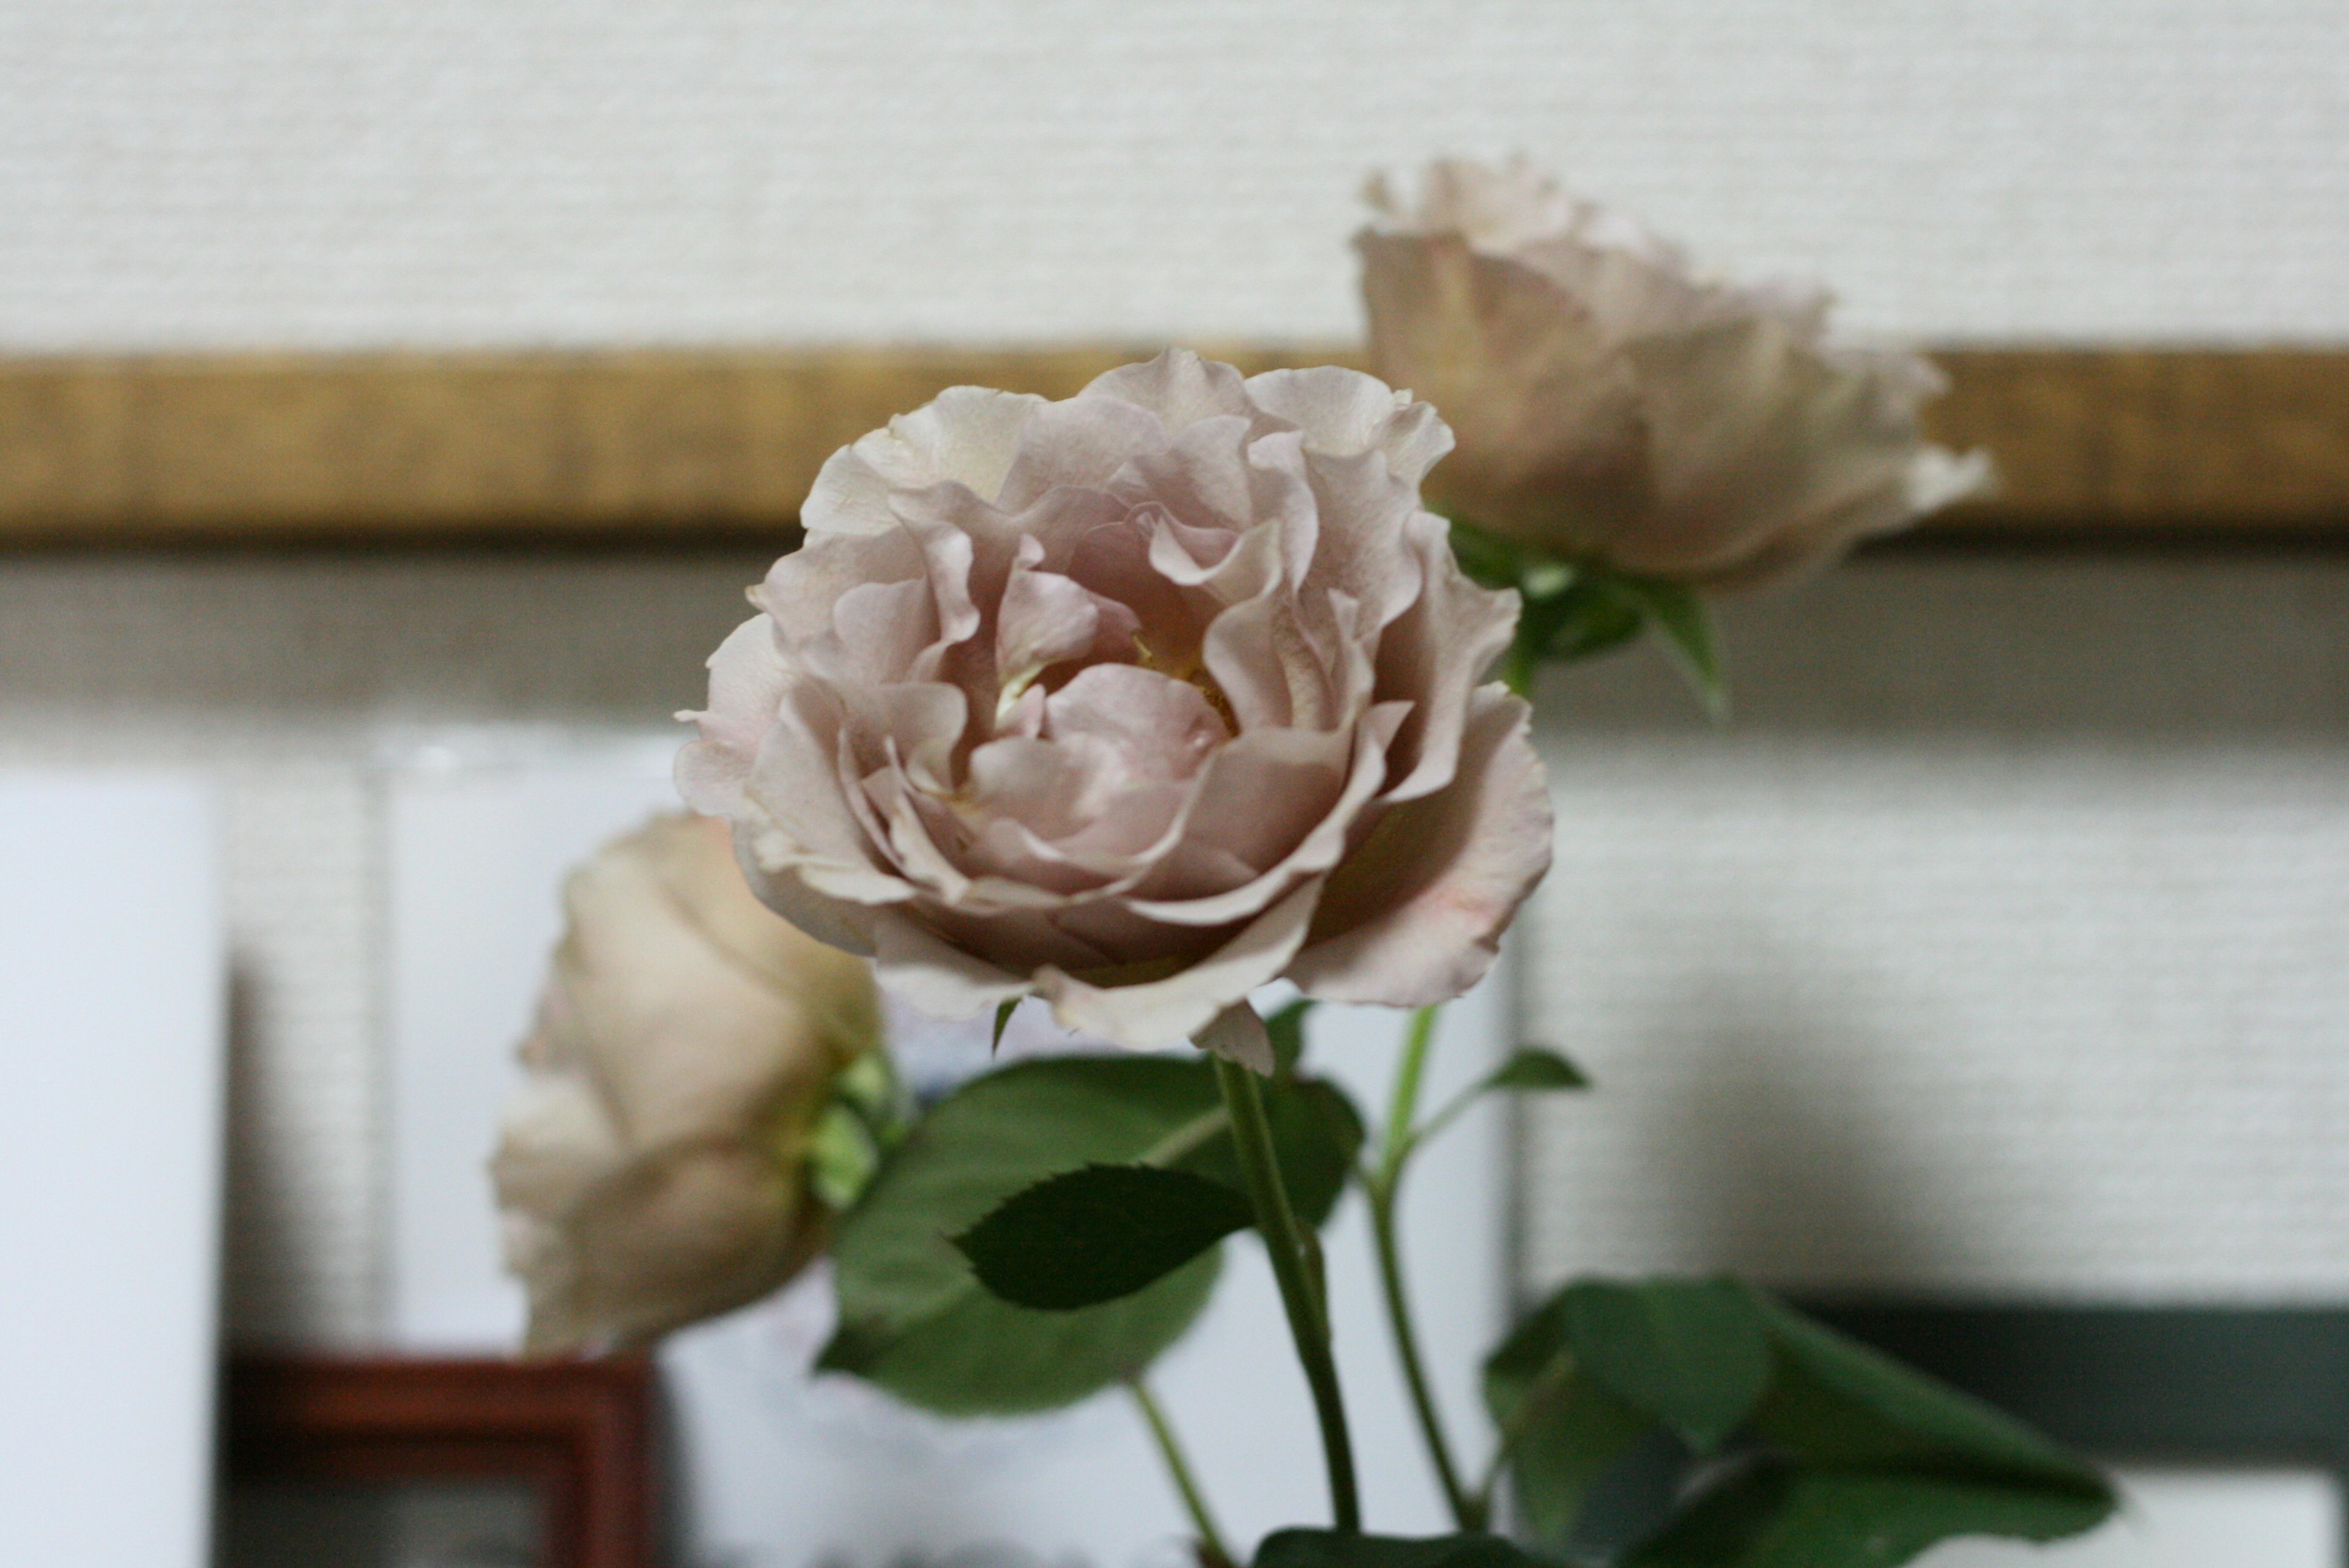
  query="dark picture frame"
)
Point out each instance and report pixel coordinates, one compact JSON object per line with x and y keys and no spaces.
{"x":581,"y":1434}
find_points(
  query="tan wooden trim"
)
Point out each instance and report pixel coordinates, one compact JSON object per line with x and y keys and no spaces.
{"x":651,"y":446}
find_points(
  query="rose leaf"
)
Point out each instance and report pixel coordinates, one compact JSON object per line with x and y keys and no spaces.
{"x":1331,"y":1549}
{"x":1564,"y":1433}
{"x":914,"y":1318}
{"x":1776,"y":1516}
{"x":1097,"y":1233}
{"x":1839,"y":1403}
{"x":1690,"y":1353}
{"x":1538,"y":1069}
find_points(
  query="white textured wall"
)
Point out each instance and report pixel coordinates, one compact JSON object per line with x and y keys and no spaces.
{"x":328,"y":171}
{"x":2001,"y":945}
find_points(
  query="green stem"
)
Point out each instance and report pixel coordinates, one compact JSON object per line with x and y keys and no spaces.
{"x":1309,"y":1313}
{"x":1383,"y":1189}
{"x":1403,"y":1105}
{"x":1212,"y":1550}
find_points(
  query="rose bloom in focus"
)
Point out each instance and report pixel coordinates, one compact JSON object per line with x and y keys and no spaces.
{"x":1610,"y":406}
{"x":1135,"y":701}
{"x":652,"y":1172}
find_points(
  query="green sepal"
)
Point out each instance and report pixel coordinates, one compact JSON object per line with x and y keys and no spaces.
{"x":1580,"y":609}
{"x":864,"y":1120}
{"x":1685,"y":621}
{"x":842,"y":1156}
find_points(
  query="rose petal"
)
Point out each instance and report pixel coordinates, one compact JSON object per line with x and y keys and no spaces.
{"x":1166,"y":1012}
{"x":1082,"y":443}
{"x":1344,"y":413}
{"x":1299,"y":827}
{"x":803,"y":824}
{"x":1414,"y":915}
{"x":746,"y":679}
{"x":1046,"y":619}
{"x":1178,"y":386}
{"x":1440,"y":648}
{"x":968,"y":436}
{"x":1610,"y":402}
{"x":934,"y":976}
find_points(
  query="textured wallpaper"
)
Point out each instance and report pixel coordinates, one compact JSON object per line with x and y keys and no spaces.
{"x":251,"y":171}
{"x":1999,"y":946}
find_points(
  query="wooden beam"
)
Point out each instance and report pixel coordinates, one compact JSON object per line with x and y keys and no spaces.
{"x":650,"y":447}
{"x":2205,"y":439}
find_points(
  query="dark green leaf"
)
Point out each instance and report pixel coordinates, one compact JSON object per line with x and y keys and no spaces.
{"x":1331,"y":1549}
{"x":1838,"y":1403}
{"x":1538,"y":1069}
{"x":1691,"y":1352}
{"x":1003,"y":1011}
{"x":1563,"y":1431}
{"x":1778,"y":1517}
{"x":914,"y":1317}
{"x":1843,"y":1458}
{"x":979,"y":1355}
{"x":1287,"y":1029}
{"x":1098,"y":1234}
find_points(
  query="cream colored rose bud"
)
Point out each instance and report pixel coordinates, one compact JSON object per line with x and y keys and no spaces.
{"x":1610,"y":404}
{"x":652,"y":1172}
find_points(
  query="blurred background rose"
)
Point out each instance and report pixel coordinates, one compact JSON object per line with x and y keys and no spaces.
{"x":1612,"y":405}
{"x":654,"y":1169}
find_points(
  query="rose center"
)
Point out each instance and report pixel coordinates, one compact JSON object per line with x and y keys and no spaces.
{"x":1192,"y":673}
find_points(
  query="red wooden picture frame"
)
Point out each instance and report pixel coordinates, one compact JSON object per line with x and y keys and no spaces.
{"x":581,"y":1433}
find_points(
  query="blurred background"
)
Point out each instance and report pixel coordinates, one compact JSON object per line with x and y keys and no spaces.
{"x":1993,"y":952}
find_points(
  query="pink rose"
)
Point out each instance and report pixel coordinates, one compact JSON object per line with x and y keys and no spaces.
{"x":652,"y":1169}
{"x":1611,"y":405}
{"x":1136,"y":702}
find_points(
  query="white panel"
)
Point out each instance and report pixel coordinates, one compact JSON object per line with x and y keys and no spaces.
{"x":2190,"y":1519}
{"x":481,"y":828}
{"x":776,"y":1470}
{"x":111,"y":971}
